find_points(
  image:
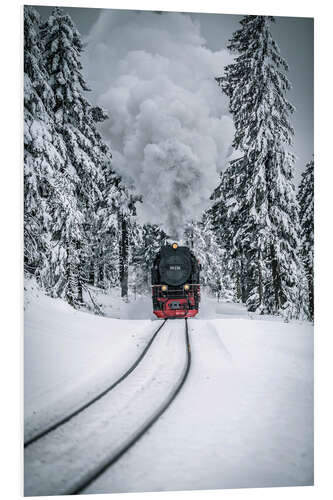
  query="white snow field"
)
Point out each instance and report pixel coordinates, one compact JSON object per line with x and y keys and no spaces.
{"x":244,"y":417}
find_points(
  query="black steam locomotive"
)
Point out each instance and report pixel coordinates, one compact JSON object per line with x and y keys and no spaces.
{"x":175,"y":282}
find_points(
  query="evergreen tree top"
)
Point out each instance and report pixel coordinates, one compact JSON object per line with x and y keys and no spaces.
{"x":35,"y":75}
{"x":62,"y":52}
{"x":305,"y":196}
{"x":59,"y":24}
{"x":255,"y":36}
{"x":31,"y":40}
{"x":88,"y":157}
{"x":256,"y":85}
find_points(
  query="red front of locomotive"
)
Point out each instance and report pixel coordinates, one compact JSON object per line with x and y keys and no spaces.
{"x":175,"y":283}
{"x":176,"y":303}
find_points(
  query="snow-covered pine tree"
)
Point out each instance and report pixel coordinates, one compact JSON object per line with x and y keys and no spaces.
{"x":86,"y":154}
{"x":256,"y":85}
{"x":43,"y":154}
{"x":215,"y":266}
{"x":226,"y":223}
{"x":248,"y":215}
{"x":102,"y":251}
{"x":64,"y":260}
{"x":126,"y":211}
{"x":306,"y":209}
{"x":146,"y":241}
{"x":123,"y":230}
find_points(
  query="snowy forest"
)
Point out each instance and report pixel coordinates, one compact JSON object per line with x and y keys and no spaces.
{"x":81,"y":230}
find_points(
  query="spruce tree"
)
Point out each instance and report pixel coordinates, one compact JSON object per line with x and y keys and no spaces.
{"x":43,"y":153}
{"x":86,"y":154}
{"x":227,"y":222}
{"x":306,"y":213}
{"x":215,"y":265}
{"x":72,"y":196}
{"x":126,"y":211}
{"x":102,"y":255}
{"x":146,"y":241}
{"x":256,"y":85}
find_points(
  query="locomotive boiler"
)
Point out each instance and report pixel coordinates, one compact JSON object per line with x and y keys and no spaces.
{"x":175,"y":282}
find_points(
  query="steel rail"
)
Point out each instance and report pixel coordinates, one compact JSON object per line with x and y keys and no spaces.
{"x":86,"y":405}
{"x":96,"y":472}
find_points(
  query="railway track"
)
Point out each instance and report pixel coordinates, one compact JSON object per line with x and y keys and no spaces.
{"x":100,"y":395}
{"x":98,"y":470}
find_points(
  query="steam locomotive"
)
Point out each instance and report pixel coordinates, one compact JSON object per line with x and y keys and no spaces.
{"x":175,"y":279}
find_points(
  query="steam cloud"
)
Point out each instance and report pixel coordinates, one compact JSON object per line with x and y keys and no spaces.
{"x":168,"y":129}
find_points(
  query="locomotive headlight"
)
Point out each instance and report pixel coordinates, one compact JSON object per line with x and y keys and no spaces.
{"x":174,"y":246}
{"x":186,"y":287}
{"x":164,"y":288}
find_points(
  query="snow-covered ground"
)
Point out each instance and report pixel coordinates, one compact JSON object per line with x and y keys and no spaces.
{"x":243,"y":419}
{"x":69,"y":355}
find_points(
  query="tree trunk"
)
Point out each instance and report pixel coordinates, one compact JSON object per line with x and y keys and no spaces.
{"x":311,"y":295}
{"x":260,"y":284}
{"x":275,"y":279}
{"x":78,"y":269}
{"x":96,"y":272}
{"x":238,"y":288}
{"x":244,"y":280}
{"x":104,"y":275}
{"x":123,"y":254}
{"x":79,"y":290}
{"x":71,"y":278}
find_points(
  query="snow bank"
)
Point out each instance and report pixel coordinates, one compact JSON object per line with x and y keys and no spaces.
{"x":113,"y":306}
{"x":55,"y":464}
{"x":243,"y":419}
{"x":69,"y":355}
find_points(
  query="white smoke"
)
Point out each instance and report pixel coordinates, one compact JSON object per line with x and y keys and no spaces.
{"x":169,"y":130}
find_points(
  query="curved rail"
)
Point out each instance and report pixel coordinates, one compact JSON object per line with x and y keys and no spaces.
{"x":108,"y":461}
{"x":66,"y":419}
